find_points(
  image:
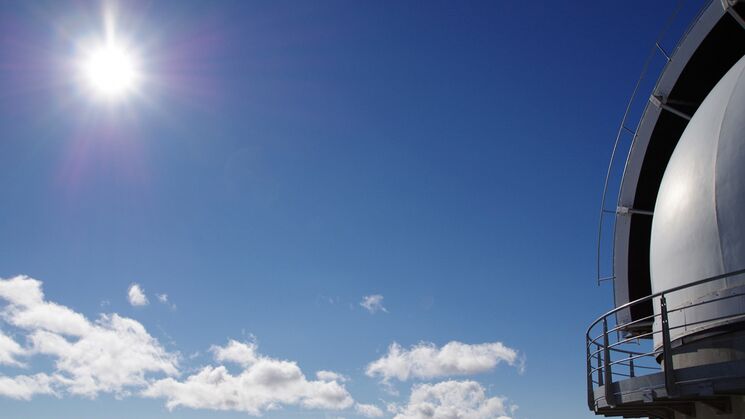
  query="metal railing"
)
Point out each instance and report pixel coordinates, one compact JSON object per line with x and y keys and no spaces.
{"x":611,"y":353}
{"x":636,"y":103}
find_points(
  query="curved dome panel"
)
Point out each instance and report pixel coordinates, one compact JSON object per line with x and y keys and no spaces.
{"x":698,"y":229}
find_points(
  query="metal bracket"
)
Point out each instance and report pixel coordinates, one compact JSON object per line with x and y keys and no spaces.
{"x":648,"y":395}
{"x":661,"y":102}
{"x":630,"y":211}
{"x":659,"y":47}
{"x":728,"y":6}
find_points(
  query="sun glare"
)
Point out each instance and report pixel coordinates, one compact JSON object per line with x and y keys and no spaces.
{"x":110,"y":70}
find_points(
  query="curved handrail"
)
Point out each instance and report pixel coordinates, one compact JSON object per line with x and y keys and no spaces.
{"x":622,"y":127}
{"x":660,"y":294}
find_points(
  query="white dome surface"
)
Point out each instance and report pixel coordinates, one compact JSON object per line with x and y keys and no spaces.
{"x":698,"y":229}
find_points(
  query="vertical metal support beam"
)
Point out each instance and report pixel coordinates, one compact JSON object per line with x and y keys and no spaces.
{"x":667,"y":351}
{"x":609,"y":396}
{"x":600,"y":368}
{"x":631,"y":366}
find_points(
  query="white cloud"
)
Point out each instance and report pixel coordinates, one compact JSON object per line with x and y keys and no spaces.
{"x":368,"y":410}
{"x":112,"y":354}
{"x":264,"y":384}
{"x":116,"y":355}
{"x":136,"y":295}
{"x":9,"y":351}
{"x":330,"y":376}
{"x":28,"y":310}
{"x":452,"y":399}
{"x":426,"y":361}
{"x":22,"y":291}
{"x":240,"y":353}
{"x":373,"y":303}
{"x":24,"y":387}
{"x":48,"y":316}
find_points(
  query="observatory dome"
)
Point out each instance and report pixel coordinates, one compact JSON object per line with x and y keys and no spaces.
{"x":698,"y":229}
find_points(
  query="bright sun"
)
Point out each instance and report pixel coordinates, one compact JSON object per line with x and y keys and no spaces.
{"x":110,"y":70}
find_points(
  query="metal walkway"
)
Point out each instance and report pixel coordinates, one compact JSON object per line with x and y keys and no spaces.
{"x":628,"y":376}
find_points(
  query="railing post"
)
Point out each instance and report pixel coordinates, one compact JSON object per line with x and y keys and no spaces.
{"x":600,"y":367}
{"x":667,"y":352}
{"x":609,"y":398}
{"x":631,"y":366}
{"x":590,"y":389}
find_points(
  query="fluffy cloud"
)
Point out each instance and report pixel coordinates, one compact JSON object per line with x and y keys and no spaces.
{"x":9,"y":351}
{"x":330,"y":376}
{"x":368,"y":410}
{"x":22,"y":291}
{"x":113,"y":354}
{"x":24,"y":387}
{"x":426,"y":361}
{"x":240,"y":353}
{"x":117,"y":355}
{"x":28,"y":310}
{"x":136,"y":296}
{"x":264,"y":384}
{"x":452,"y":399}
{"x":373,"y":303}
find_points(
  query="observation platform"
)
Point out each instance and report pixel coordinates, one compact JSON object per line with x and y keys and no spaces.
{"x":629,"y":376}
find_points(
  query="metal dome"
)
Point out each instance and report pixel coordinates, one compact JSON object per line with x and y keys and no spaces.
{"x":698,"y":229}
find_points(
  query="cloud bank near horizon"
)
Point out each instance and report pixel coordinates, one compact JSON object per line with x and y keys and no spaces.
{"x":116,"y":355}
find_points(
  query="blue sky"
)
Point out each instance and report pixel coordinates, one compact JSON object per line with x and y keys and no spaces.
{"x":280,"y":162}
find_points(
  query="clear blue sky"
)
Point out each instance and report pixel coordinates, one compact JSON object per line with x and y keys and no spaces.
{"x":284,"y":160}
